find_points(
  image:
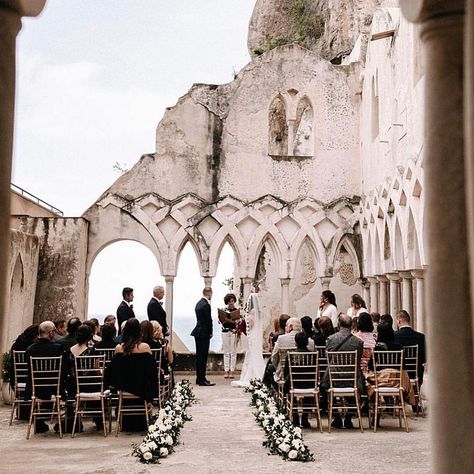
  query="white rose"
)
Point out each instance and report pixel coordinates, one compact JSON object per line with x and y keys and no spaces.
{"x":169,"y":440}
{"x":293,"y":454}
{"x":152,"y":428}
{"x":143,"y":448}
{"x":284,"y":432}
{"x":163,"y":452}
{"x":152,"y":446}
{"x":147,"y":456}
{"x":284,"y":447}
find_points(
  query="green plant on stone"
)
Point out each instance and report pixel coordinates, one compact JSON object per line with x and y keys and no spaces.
{"x":229,"y":282}
{"x":6,"y":364}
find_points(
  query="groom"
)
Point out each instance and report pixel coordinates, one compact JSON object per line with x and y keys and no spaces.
{"x":202,"y":334}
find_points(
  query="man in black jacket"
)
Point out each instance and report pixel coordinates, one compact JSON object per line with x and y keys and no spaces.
{"x":155,"y":309}
{"x":406,"y":336}
{"x":202,"y":334}
{"x":44,"y":347}
{"x":125,"y":309}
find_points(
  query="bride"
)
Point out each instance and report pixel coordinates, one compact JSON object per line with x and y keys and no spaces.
{"x":254,"y":365}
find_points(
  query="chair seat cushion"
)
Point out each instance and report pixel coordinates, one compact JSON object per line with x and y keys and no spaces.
{"x":387,"y":390}
{"x":94,"y":394}
{"x":21,"y":385}
{"x":343,"y":390}
{"x":302,"y":391}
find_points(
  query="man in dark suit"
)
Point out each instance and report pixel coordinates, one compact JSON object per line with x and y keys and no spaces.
{"x":202,"y":334}
{"x":125,"y":309}
{"x":44,"y":347}
{"x":344,"y":340}
{"x":406,"y":336}
{"x":155,"y":309}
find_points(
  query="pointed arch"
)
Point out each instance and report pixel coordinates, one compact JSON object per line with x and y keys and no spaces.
{"x":257,"y":249}
{"x":398,"y":254}
{"x":413,"y":245}
{"x":309,"y":243}
{"x":303,"y":128}
{"x":346,"y":242}
{"x":239,"y":250}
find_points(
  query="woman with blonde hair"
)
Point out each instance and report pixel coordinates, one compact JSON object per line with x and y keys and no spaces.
{"x":158,"y":337}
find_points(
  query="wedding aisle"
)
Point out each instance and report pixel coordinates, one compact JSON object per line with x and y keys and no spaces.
{"x":224,"y":437}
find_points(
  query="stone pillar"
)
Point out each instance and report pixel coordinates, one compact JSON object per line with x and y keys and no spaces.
{"x":291,"y":136}
{"x":383,"y":294}
{"x":208,"y":281}
{"x":394,"y":279}
{"x":407,"y":292}
{"x":325,"y":282}
{"x":447,"y":278}
{"x":419,"y":312}
{"x":285,"y":295}
{"x":11,"y":12}
{"x":374,"y":289}
{"x":248,"y":282}
{"x":365,"y":290}
{"x":169,"y":280}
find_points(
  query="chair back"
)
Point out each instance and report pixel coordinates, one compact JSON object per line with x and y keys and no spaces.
{"x":410,"y":361}
{"x":20,"y":368}
{"x":303,"y":368}
{"x":322,"y":361}
{"x":45,"y":376}
{"x":107,"y":353}
{"x":388,"y":366}
{"x":89,"y":370}
{"x":342,"y":369}
{"x":158,"y":356}
{"x":282,"y":356}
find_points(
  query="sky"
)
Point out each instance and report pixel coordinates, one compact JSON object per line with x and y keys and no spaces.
{"x":93,"y":81}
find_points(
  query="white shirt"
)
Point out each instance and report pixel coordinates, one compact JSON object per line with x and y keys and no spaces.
{"x":159,"y":301}
{"x":331,"y":312}
{"x":350,"y":312}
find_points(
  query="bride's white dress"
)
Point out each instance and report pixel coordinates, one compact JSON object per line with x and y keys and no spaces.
{"x":254,"y":365}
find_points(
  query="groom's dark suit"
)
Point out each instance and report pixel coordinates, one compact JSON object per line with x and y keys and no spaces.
{"x":202,"y":334}
{"x":124,"y":312}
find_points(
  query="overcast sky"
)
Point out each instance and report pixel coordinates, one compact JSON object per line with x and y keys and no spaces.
{"x":94,"y":78}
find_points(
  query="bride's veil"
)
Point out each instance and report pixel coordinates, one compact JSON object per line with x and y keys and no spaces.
{"x":254,"y":320}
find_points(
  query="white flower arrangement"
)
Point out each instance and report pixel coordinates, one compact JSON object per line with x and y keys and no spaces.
{"x":163,"y":432}
{"x":283,"y":438}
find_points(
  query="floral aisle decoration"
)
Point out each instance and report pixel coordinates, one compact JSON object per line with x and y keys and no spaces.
{"x":283,"y":438}
{"x":163,"y":433}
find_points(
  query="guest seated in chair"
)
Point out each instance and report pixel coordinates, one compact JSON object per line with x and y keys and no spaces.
{"x":108,"y":338}
{"x":133,"y":370}
{"x":146,"y":329}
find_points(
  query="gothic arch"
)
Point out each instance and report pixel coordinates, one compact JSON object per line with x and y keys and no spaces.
{"x":306,"y":241}
{"x":240,"y":252}
{"x":349,"y":247}
{"x":398,"y":254}
{"x":303,"y":144}
{"x":256,"y":249}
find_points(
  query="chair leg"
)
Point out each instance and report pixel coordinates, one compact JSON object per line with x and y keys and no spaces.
{"x":78,"y":406}
{"x":119,"y":415}
{"x":330,"y":412}
{"x":30,"y":421}
{"x":58,"y":411}
{"x":403,"y":411}
{"x":376,"y":411}
{"x":359,"y":415}
{"x":13,"y":408}
{"x":104,"y":426}
{"x":318,"y":412}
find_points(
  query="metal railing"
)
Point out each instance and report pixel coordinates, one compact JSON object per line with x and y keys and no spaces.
{"x":36,"y":199}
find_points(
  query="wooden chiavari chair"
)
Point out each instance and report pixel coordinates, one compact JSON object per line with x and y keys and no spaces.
{"x":343,"y":374}
{"x":410,"y":364}
{"x":20,"y":370}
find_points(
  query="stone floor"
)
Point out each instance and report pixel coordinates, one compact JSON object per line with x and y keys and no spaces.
{"x":222,"y":438}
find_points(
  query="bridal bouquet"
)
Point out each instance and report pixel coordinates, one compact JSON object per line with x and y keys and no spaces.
{"x":282,"y":437}
{"x":164,"y":432}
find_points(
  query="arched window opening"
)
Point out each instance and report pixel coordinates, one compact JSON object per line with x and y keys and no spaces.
{"x":375,"y":108}
{"x":303,"y":129}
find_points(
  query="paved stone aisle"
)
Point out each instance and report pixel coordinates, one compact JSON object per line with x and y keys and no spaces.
{"x":222,"y":438}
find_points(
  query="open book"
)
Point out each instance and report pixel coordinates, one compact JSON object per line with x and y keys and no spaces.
{"x":223,"y":315}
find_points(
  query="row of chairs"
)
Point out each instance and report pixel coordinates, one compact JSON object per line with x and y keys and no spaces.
{"x":91,"y":400}
{"x":307,"y":369}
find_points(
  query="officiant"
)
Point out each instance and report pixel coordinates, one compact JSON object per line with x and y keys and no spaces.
{"x":228,"y":318}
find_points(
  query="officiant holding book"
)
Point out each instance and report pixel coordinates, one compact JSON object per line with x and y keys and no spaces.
{"x":228,"y":318}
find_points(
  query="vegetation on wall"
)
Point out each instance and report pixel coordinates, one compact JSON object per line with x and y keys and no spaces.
{"x":305,"y":27}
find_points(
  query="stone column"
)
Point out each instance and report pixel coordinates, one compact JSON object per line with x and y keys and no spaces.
{"x":407,"y":292}
{"x":169,"y":280}
{"x":394,"y":279}
{"x":208,"y":281}
{"x":11,"y":12}
{"x":419,"y":312}
{"x":248,"y":282}
{"x":374,"y":289}
{"x":365,"y":290}
{"x":291,"y":136}
{"x":383,"y":294}
{"x":285,"y":295}
{"x":447,"y":278}
{"x":325,"y":282}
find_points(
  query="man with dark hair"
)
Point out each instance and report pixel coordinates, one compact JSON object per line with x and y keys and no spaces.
{"x":125,"y":308}
{"x":155,"y":309}
{"x":344,"y":340}
{"x":70,"y":339}
{"x":406,"y":336}
{"x":60,"y":325}
{"x":202,"y":334}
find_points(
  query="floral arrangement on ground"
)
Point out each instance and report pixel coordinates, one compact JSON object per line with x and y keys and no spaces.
{"x":163,"y":432}
{"x":283,"y":438}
